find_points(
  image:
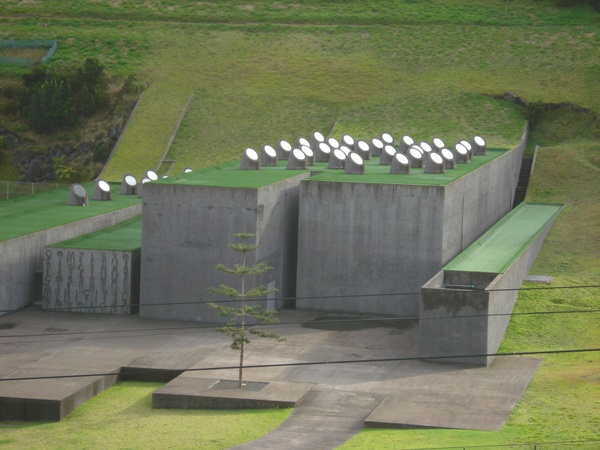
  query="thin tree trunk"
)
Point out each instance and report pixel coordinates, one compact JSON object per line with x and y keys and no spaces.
{"x":241,"y":365}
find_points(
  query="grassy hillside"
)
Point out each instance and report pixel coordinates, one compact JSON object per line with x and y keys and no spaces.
{"x":265,"y":71}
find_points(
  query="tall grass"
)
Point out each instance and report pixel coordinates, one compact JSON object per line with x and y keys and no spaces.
{"x":363,"y":12}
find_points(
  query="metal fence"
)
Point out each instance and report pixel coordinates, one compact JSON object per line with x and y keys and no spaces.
{"x":12,"y":189}
{"x":31,"y":43}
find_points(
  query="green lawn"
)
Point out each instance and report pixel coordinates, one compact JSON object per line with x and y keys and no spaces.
{"x":29,"y":214}
{"x":122,"y":418}
{"x":126,"y":235}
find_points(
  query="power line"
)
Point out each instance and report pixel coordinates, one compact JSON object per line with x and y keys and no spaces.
{"x":275,"y":324}
{"x":312,"y":363}
{"x":325,"y":297}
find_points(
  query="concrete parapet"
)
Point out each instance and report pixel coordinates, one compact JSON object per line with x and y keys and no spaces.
{"x":464,"y":313}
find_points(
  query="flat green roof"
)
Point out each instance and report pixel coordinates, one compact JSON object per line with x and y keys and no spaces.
{"x":33,"y":213}
{"x":229,"y":174}
{"x":380,"y":174}
{"x":507,"y":240}
{"x":124,"y":236}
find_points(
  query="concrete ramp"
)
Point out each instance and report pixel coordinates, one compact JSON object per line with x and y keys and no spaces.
{"x":323,"y":420}
{"x":149,"y":133}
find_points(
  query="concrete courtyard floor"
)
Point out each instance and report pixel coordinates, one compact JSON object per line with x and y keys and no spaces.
{"x":333,"y":401}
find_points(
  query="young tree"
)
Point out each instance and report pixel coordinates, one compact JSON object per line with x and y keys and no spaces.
{"x":238,"y":327}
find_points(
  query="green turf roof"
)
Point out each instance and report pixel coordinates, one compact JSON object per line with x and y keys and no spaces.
{"x":229,"y":175}
{"x":507,"y":240}
{"x":33,"y":213}
{"x":124,"y":236}
{"x":379,"y":174}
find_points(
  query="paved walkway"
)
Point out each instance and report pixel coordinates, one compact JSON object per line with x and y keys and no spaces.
{"x":323,"y":420}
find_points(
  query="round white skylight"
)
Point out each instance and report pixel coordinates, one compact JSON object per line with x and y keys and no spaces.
{"x":357,"y":159}
{"x":251,"y":154}
{"x":104,"y":186}
{"x":402,"y":159}
{"x":299,"y":154}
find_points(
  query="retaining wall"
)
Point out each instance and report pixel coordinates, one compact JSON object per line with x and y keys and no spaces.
{"x":22,"y":257}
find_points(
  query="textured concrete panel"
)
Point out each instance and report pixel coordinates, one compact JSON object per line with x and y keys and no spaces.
{"x":91,"y":281}
{"x":359,"y":239}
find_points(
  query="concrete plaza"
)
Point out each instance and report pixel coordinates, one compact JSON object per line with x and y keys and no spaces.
{"x":397,"y":391}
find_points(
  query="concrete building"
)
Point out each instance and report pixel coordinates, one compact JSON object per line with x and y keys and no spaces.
{"x":364,"y":241}
{"x":187,"y":223}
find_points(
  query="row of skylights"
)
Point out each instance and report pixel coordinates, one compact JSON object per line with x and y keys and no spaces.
{"x":349,"y":154}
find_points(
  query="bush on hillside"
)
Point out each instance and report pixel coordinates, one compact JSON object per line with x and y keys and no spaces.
{"x":53,"y":99}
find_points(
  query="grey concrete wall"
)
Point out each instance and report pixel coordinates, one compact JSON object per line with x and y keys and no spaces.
{"x":359,"y":239}
{"x":455,"y":322}
{"x":91,"y":281}
{"x":22,"y":257}
{"x":185,"y":231}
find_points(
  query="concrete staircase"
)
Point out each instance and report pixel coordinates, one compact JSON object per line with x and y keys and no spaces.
{"x":527,"y":165}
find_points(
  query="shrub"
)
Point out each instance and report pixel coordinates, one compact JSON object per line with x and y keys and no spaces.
{"x":53,"y":99}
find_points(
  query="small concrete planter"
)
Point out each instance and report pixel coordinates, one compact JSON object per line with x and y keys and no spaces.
{"x":363,"y":149}
{"x":102,"y":191}
{"x":449,"y":161}
{"x":297,"y":160}
{"x":268,"y":156}
{"x":250,"y":160}
{"x":405,"y":144}
{"x":284,"y":148}
{"x":376,"y":147}
{"x":78,"y":196}
{"x":387,"y":155}
{"x":129,"y":185}
{"x":400,"y":165}
{"x":322,"y":152}
{"x":355,"y":165}
{"x":337,"y":160}
{"x":434,"y":163}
